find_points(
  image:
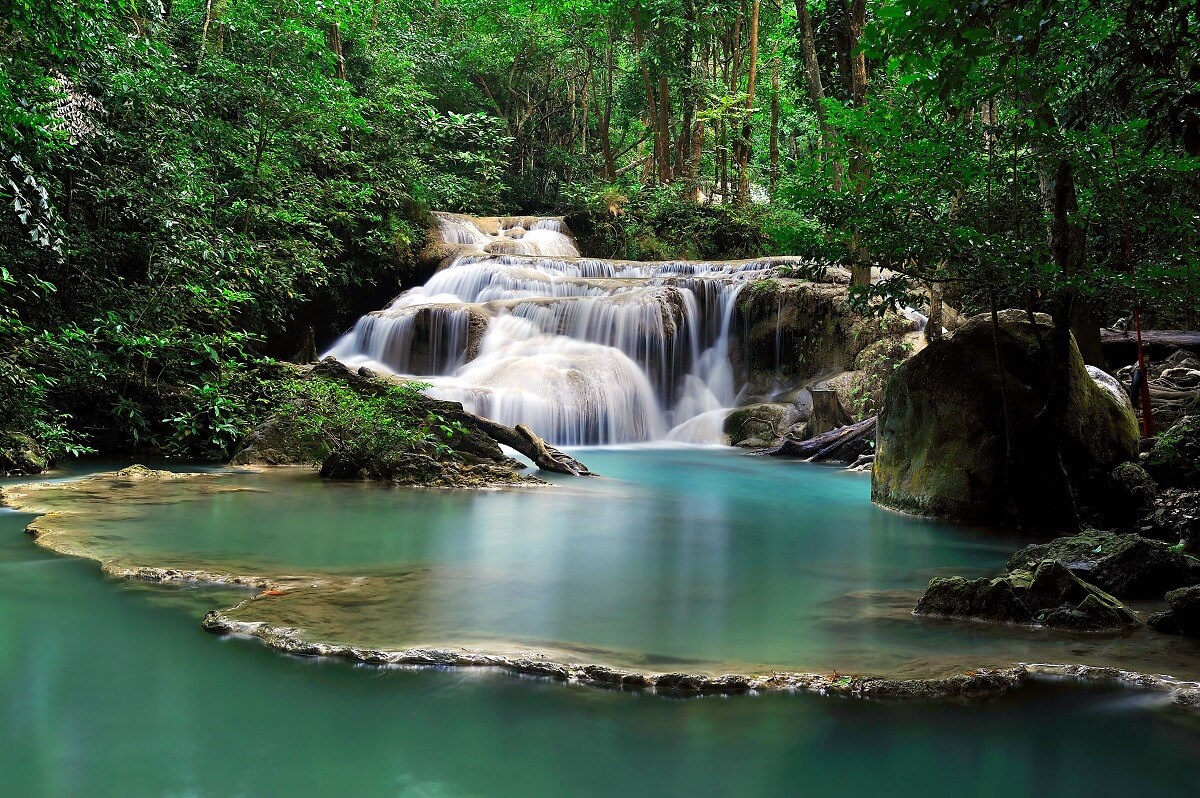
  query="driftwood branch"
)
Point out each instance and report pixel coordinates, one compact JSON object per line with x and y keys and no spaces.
{"x":526,"y":441}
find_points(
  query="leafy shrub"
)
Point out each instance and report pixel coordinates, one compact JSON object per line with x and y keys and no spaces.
{"x":327,"y":418}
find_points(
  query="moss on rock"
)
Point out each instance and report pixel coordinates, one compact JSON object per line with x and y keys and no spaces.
{"x":941,"y":442}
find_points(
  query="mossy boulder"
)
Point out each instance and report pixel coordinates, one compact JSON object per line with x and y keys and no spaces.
{"x":1128,"y":566}
{"x":1183,"y":615}
{"x":469,"y":457}
{"x":1175,"y":458}
{"x":1047,"y":594}
{"x":941,"y":447}
{"x":981,"y":599}
{"x":1132,"y":492}
{"x":21,"y":454}
{"x":761,"y":424}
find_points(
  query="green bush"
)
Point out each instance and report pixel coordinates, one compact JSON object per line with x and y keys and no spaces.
{"x":328,"y":418}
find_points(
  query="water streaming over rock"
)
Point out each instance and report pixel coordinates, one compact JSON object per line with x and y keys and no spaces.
{"x":522,"y":329}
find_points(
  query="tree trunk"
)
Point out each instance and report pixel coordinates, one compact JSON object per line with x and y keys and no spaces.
{"x":1065,"y":240}
{"x":854,"y":20}
{"x":639,"y":41}
{"x":743,"y":193}
{"x":816,"y":91}
{"x":774,"y":151}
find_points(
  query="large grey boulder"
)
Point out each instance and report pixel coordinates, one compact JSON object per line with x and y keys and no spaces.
{"x":941,"y":439}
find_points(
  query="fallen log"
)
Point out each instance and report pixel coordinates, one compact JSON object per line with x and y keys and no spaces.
{"x":842,"y":445}
{"x":1120,"y":348}
{"x":527,"y":442}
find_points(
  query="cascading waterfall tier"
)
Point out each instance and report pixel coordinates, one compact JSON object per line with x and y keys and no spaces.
{"x":522,"y":329}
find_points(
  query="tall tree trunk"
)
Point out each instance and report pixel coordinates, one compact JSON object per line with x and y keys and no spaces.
{"x":639,"y":41}
{"x":335,"y":47}
{"x":1065,"y":240}
{"x":743,"y":193}
{"x":854,"y":20}
{"x":816,"y":91}
{"x":605,"y":126}
{"x":774,"y":151}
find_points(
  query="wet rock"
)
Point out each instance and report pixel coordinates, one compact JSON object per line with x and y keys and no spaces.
{"x":21,"y":454}
{"x":759,"y":425}
{"x":1183,"y":613}
{"x":142,"y":472}
{"x":1058,"y":598}
{"x":1049,"y":595}
{"x":941,"y":438}
{"x":786,"y":331}
{"x":1129,"y":566}
{"x":983,"y":599}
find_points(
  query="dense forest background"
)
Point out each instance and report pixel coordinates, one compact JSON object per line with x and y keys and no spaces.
{"x":188,"y":185}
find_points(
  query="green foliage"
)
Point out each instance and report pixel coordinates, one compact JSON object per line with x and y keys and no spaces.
{"x":1175,"y":458}
{"x":186,"y":185}
{"x":326,"y":417}
{"x":657,"y":223}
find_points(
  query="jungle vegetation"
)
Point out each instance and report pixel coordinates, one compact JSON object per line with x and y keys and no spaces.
{"x":188,"y":184}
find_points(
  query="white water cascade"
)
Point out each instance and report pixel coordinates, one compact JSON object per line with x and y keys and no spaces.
{"x":521,"y":329}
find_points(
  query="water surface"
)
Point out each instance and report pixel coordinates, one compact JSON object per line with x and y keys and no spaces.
{"x":693,"y":559}
{"x":111,"y":689}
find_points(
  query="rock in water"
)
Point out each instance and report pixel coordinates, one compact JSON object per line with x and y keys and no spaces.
{"x":1183,"y":617}
{"x":1128,"y":566}
{"x":21,"y":454}
{"x":941,"y":436}
{"x":1048,"y":595}
{"x":760,"y":425}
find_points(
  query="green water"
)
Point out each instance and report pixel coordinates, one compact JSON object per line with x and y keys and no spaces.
{"x":109,"y":689}
{"x":679,"y":559}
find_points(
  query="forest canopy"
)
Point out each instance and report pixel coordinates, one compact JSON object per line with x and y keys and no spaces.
{"x":188,"y":184}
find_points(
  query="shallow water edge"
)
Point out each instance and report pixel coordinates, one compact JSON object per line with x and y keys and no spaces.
{"x":52,"y":531}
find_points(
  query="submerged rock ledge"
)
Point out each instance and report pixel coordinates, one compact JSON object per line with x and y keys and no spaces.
{"x":979,"y":684}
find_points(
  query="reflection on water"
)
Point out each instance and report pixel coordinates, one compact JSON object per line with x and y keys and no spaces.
{"x":103,"y":693}
{"x":680,"y":558}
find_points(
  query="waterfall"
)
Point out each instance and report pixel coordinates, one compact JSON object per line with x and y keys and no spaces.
{"x":522,"y":329}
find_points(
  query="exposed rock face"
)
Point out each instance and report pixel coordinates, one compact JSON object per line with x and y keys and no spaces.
{"x":1128,"y":566}
{"x":1183,"y":617}
{"x":21,"y":454}
{"x":1048,"y":595}
{"x":941,"y":437}
{"x":787,"y":331}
